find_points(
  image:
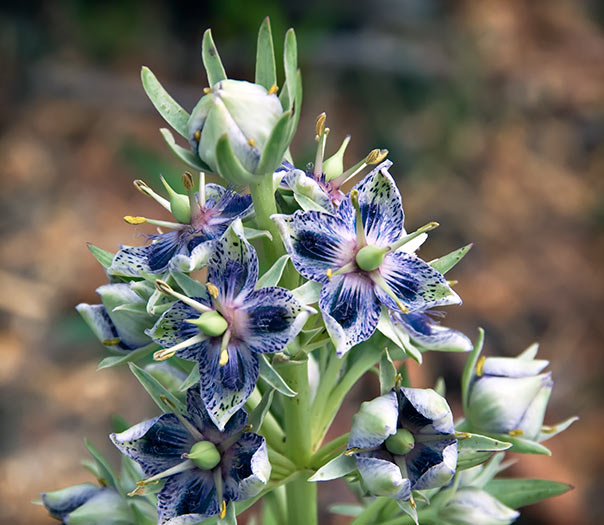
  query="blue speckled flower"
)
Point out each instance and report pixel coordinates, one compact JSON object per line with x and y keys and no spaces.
{"x":402,"y":441}
{"x":226,"y":329}
{"x":204,"y":468}
{"x":359,"y":255}
{"x":202,"y":218}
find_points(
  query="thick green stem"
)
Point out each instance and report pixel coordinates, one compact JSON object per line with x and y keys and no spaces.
{"x":301,"y":495}
{"x":263,"y":197}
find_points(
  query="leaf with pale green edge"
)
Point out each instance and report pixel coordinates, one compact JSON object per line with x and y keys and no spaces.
{"x":229,"y":166}
{"x":345,"y":509}
{"x":266,"y":69}
{"x":168,"y":108}
{"x":140,"y":516}
{"x":307,"y":204}
{"x":489,"y":470}
{"x":338,"y":467}
{"x":398,"y":337}
{"x":275,"y":147}
{"x":516,"y":493}
{"x":296,"y":106}
{"x":135,"y":355}
{"x":230,"y":517}
{"x":440,"y":386}
{"x":107,"y":475}
{"x":253,"y":233}
{"x":190,"y":286}
{"x":553,"y":430}
{"x":261,"y":409}
{"x":191,"y":380}
{"x":522,"y":445}
{"x":211,"y":59}
{"x":446,"y":262}
{"x":476,"y":449}
{"x":273,"y":275}
{"x":103,"y":256}
{"x":157,"y":391}
{"x":272,"y":377}
{"x":144,"y":289}
{"x":184,"y":154}
{"x":387,"y":373}
{"x":308,"y":293}
{"x":409,"y":509}
{"x":290,"y":64}
{"x":469,"y":369}
{"x":92,"y":467}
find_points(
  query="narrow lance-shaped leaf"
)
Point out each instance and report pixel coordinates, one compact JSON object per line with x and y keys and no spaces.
{"x":108,"y":476}
{"x":468,"y":371}
{"x":168,"y":108}
{"x":266,"y":72}
{"x":446,"y":262}
{"x":336,"y":468}
{"x":257,"y":415}
{"x":229,"y":166}
{"x":387,"y":373}
{"x":157,"y":391}
{"x":274,"y":273}
{"x":103,"y":256}
{"x":290,"y":64}
{"x":272,"y":377}
{"x":516,"y":493}
{"x":272,"y":156}
{"x":211,"y":59}
{"x":183,"y":154}
{"x":345,"y":509}
{"x":191,"y":287}
{"x":191,"y":380}
{"x":116,"y":360}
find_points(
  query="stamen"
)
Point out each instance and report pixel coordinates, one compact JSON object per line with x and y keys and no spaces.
{"x":375,"y":156}
{"x":197,"y":135}
{"x":130,"y":219}
{"x":380,"y":281}
{"x":322,"y":133}
{"x":274,"y":88}
{"x":207,"y":90}
{"x":426,"y":438}
{"x":112,"y":342}
{"x":224,"y":348}
{"x":463,"y":435}
{"x":251,"y":143}
{"x":166,"y":353}
{"x":355,"y":450}
{"x":517,"y":432}
{"x":212,"y":290}
{"x":480,"y":365}
{"x":218,"y":484}
{"x":187,"y":182}
{"x":354,"y":199}
{"x":329,"y":273}
{"x":398,"y":381}
{"x":141,"y":220}
{"x":347,"y":268}
{"x":143,"y":187}
{"x":165,"y":288}
{"x":404,"y":240}
{"x":176,"y":469}
{"x":222,"y":509}
{"x":546,"y":429}
{"x":452,"y":283}
{"x":412,"y":501}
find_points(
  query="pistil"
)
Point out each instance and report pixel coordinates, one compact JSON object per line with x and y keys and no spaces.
{"x":144,"y":188}
{"x":360,"y":230}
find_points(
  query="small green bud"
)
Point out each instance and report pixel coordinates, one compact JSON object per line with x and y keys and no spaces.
{"x":334,"y":166}
{"x":179,"y":204}
{"x":205,"y":455}
{"x":400,"y":443}
{"x":370,"y":257}
{"x":211,"y":323}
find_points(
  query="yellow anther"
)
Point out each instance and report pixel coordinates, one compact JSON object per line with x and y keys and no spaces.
{"x":320,"y":127}
{"x":134,"y":220}
{"x":412,"y":501}
{"x":163,"y":287}
{"x":351,"y":451}
{"x":452,"y":283}
{"x":187,"y":181}
{"x":398,"y":381}
{"x":162,"y":355}
{"x":329,"y":273}
{"x":141,"y":186}
{"x":212,"y":290}
{"x":138,"y":491}
{"x":480,"y":366}
{"x":462,"y":435}
{"x":548,"y":430}
{"x":222,"y":509}
{"x":247,"y":428}
{"x":382,"y":155}
{"x":373,"y":155}
{"x":251,"y":142}
{"x":207,"y":90}
{"x":197,"y":135}
{"x":112,"y":342}
{"x":224,"y":357}
{"x":274,"y":88}
{"x":517,"y":432}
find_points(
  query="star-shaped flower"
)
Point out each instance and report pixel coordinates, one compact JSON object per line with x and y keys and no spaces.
{"x":204,"y":468}
{"x":226,"y":329}
{"x":359,"y":255}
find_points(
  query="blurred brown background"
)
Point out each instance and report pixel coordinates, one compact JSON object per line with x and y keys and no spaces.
{"x":493,"y":112}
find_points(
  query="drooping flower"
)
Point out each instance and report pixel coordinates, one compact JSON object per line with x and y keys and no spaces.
{"x":226,"y":329}
{"x":201,"y":219}
{"x":473,"y":506}
{"x":204,"y":468}
{"x":359,"y":255}
{"x":403,"y":441}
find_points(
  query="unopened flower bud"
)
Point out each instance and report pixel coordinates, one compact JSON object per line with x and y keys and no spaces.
{"x":472,"y":506}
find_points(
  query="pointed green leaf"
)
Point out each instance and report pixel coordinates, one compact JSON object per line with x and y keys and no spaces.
{"x":277,"y":143}
{"x":469,"y":368}
{"x":387,"y":373}
{"x":522,"y":445}
{"x":307,"y":204}
{"x":184,"y":154}
{"x":440,"y":387}
{"x":189,"y":286}
{"x":530,"y":353}
{"x":107,"y":475}
{"x":230,"y":517}
{"x":168,"y":108}
{"x":409,"y":509}
{"x":211,"y":59}
{"x":253,"y":233}
{"x":273,"y":274}
{"x":548,"y":432}
{"x":266,"y":71}
{"x":290,"y":64}
{"x":135,"y":355}
{"x":191,"y":380}
{"x":229,"y":166}
{"x":446,"y":262}
{"x":103,"y":256}
{"x":257,"y":415}
{"x":336,"y":468}
{"x":476,"y":449}
{"x":346,"y":509}
{"x":156,"y":390}
{"x":308,"y":293}
{"x":516,"y":493}
{"x":272,"y":377}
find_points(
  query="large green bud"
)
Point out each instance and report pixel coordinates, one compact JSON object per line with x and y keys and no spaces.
{"x":245,"y":112}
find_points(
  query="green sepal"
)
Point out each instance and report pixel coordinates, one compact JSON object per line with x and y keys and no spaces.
{"x":476,"y":449}
{"x":272,"y":377}
{"x":290,"y":65}
{"x":338,"y":467}
{"x":266,"y":70}
{"x":188,"y":285}
{"x":140,"y":516}
{"x":273,"y":275}
{"x":107,"y":476}
{"x":156,"y":390}
{"x":523,"y":446}
{"x":277,"y":143}
{"x":469,"y":369}
{"x":516,"y":493}
{"x":168,"y":108}
{"x":446,"y":262}
{"x":184,"y":154}
{"x":135,"y":355}
{"x":211,"y":59}
{"x":103,"y":256}
{"x":554,"y":430}
{"x":229,"y":166}
{"x":253,"y":233}
{"x":399,"y":337}
{"x":307,"y":204}
{"x":387,"y":373}
{"x":308,"y":293}
{"x":409,"y":509}
{"x":191,"y":380}
{"x":261,"y":409}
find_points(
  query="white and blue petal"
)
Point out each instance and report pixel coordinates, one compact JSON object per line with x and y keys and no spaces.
{"x":156,"y":444}
{"x":512,"y":367}
{"x":471,"y":505}
{"x":311,"y":191}
{"x":429,"y":334}
{"x":350,"y":310}
{"x":60,"y":503}
{"x":195,"y":260}
{"x":382,"y":477}
{"x":246,"y":468}
{"x":152,"y":258}
{"x":431,"y":464}
{"x":187,"y":498}
{"x":317,"y":242}
{"x":422,"y":410}
{"x":375,"y":421}
{"x":227,"y":204}
{"x":414,"y":282}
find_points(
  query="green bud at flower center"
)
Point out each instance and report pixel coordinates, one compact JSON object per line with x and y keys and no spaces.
{"x":370,"y":257}
{"x":204,"y":454}
{"x":400,"y":443}
{"x":211,"y":323}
